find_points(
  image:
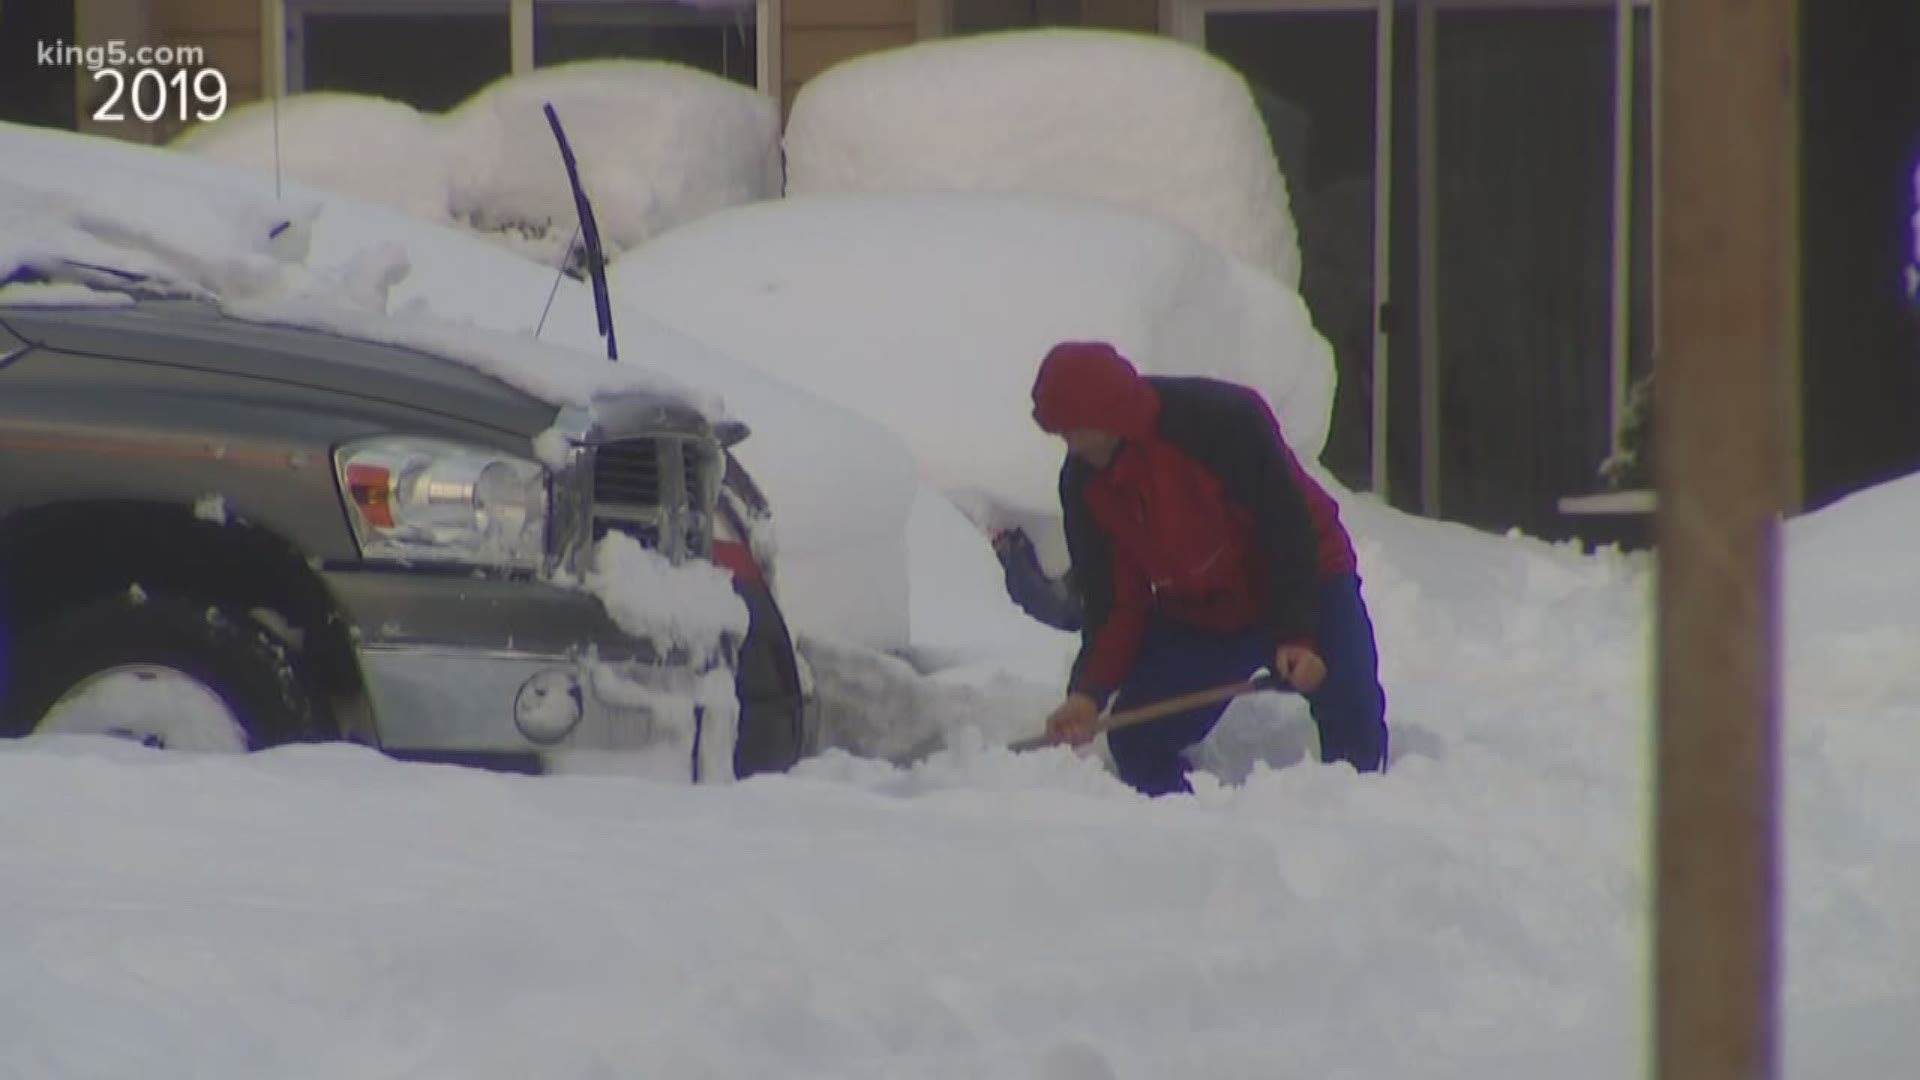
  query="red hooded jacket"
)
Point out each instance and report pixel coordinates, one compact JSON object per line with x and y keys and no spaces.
{"x":1204,"y":517}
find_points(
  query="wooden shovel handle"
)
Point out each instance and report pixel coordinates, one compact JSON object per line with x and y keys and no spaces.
{"x":1140,"y":714}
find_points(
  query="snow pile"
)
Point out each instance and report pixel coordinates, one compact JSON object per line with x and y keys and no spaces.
{"x":1854,"y":689}
{"x":691,"y":606}
{"x":657,"y":144}
{"x":930,"y":313}
{"x":1835,"y":578}
{"x":1137,"y":119}
{"x":882,"y":707}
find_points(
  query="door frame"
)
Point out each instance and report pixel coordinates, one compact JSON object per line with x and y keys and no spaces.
{"x":283,"y":65}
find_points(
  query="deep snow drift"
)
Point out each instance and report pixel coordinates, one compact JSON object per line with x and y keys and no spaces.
{"x":1136,"y":119}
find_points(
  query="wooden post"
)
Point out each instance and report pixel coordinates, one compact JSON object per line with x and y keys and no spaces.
{"x":1729,"y":78}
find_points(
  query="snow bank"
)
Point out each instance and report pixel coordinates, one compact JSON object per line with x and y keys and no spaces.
{"x":1854,"y":687}
{"x":840,"y":486}
{"x":1835,"y":578}
{"x":1138,"y":119}
{"x":657,"y":144}
{"x":930,"y":312}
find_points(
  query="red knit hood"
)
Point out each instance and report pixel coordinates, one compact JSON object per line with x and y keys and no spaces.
{"x":1088,"y":384}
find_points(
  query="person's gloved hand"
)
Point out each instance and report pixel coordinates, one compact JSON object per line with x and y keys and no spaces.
{"x":1016,"y":552}
{"x":1300,"y":667}
{"x":1075,"y":722}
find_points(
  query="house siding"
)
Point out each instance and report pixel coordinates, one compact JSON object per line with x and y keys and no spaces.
{"x":1143,"y":15}
{"x":229,"y":31}
{"x":817,"y":34}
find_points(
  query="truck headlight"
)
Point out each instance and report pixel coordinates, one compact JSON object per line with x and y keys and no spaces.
{"x":428,"y":501}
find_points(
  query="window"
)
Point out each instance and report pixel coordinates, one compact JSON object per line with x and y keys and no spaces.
{"x":431,"y":54}
{"x":32,"y":92}
{"x":717,"y":36}
{"x":982,"y":16}
{"x":434,"y":54}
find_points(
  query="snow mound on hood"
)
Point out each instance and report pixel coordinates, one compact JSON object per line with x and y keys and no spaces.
{"x":101,"y":232}
{"x":138,"y":221}
{"x":657,"y":144}
{"x":930,"y":313}
{"x":1139,"y":120}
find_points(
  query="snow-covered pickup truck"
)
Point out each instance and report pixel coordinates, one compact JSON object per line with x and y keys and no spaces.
{"x":220,"y":533}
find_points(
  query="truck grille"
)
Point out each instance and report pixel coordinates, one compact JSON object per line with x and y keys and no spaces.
{"x":628,"y":473}
{"x":659,"y":490}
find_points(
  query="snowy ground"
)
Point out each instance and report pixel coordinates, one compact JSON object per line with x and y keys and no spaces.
{"x":1480,"y":911}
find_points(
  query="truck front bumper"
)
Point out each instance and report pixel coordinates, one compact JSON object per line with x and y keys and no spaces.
{"x":526,"y":674}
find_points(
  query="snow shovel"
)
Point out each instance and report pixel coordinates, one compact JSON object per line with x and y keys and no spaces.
{"x":1263,"y":679}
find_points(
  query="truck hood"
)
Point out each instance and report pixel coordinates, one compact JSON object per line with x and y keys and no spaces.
{"x":196,"y":335}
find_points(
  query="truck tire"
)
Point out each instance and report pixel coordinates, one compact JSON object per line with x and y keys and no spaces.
{"x":227,"y":656}
{"x":772,"y":737}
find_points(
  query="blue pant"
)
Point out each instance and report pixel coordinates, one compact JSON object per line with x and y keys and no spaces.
{"x":1349,"y":708}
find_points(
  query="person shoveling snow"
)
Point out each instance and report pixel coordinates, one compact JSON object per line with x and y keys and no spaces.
{"x":1201,"y":553}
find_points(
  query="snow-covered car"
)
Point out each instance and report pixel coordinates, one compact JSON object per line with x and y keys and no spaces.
{"x":323,"y":535}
